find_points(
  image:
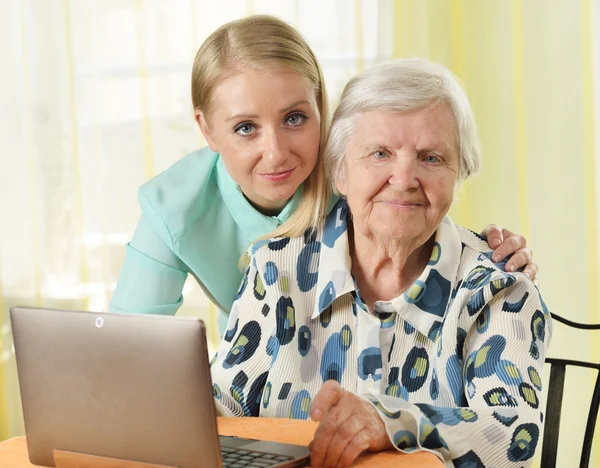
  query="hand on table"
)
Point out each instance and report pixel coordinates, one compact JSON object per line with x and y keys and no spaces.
{"x":348,"y":426}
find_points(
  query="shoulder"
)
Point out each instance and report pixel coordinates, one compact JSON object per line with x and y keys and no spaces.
{"x":283,"y":249}
{"x":284,"y":254}
{"x":476,"y":255}
{"x":182,"y":193}
{"x":482,"y":282}
{"x":472,"y":240}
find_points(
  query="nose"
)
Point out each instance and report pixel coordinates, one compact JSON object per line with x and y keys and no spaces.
{"x":275,"y":148}
{"x":404,"y":174}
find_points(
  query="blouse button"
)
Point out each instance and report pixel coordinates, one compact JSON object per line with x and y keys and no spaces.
{"x":371,"y":385}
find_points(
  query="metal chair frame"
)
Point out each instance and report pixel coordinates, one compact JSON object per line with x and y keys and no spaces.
{"x":555,"y":400}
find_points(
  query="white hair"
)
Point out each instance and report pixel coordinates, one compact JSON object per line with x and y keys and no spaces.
{"x":401,"y":86}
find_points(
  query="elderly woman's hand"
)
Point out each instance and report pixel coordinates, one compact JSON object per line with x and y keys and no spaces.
{"x":348,"y":426}
{"x":505,"y":243}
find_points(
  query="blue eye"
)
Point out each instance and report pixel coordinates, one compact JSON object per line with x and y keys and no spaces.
{"x":379,"y":154}
{"x":295,"y":120}
{"x":432,"y":159}
{"x":245,"y":129}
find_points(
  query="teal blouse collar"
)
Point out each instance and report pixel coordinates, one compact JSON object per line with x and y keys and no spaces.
{"x":250,"y":221}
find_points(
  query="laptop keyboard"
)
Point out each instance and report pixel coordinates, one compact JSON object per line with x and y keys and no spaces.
{"x":237,"y":458}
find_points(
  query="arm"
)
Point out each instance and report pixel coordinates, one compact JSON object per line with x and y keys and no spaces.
{"x":241,"y":366}
{"x":501,"y":422}
{"x":152,"y":277}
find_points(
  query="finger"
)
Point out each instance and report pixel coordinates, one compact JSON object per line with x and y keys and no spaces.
{"x":318,"y":449}
{"x":328,"y":428}
{"x":509,"y":247}
{"x":340,"y":440}
{"x":342,"y":437}
{"x":331,"y":392}
{"x":493,"y":234}
{"x":532,"y":270}
{"x":519,"y":259}
{"x":356,"y":446}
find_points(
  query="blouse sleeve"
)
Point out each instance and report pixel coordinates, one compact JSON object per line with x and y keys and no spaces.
{"x":152,"y":278}
{"x":241,"y":366}
{"x":499,"y":421}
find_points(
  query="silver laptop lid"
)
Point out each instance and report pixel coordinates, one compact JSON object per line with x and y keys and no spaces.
{"x":89,"y":384}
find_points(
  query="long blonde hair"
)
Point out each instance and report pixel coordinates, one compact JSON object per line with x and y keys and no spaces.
{"x":263,"y":42}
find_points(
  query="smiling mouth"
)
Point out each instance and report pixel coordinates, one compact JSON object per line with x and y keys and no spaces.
{"x":278,"y":176}
{"x":403,"y":204}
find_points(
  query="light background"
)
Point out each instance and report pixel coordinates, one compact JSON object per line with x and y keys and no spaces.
{"x":95,"y":98}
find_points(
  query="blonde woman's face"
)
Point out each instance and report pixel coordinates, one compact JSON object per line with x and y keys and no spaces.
{"x":266,"y":126}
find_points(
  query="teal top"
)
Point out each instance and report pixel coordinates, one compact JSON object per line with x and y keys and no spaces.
{"x":195,"y":219}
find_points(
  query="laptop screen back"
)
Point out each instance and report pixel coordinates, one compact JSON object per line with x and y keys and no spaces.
{"x":89,"y":384}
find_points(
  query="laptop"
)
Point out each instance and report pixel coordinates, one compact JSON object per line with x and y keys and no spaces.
{"x":133,"y":387}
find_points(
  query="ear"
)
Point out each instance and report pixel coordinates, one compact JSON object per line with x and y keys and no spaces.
{"x":340,"y":180}
{"x":340,"y":185}
{"x":205,"y":129}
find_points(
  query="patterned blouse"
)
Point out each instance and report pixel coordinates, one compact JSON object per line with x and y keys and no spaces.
{"x":453,"y":365}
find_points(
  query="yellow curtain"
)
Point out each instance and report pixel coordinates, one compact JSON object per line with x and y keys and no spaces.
{"x":530,"y":70}
{"x":96,"y":101}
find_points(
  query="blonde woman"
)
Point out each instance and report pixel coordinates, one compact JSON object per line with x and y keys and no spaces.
{"x":260,"y":101}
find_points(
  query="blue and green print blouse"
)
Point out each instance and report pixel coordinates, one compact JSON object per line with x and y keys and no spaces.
{"x":453,"y":366}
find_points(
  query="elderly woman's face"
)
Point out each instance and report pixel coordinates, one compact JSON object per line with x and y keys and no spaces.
{"x":400,"y":171}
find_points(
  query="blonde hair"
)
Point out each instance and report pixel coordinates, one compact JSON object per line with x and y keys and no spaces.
{"x":265,"y":42}
{"x":401,"y":86}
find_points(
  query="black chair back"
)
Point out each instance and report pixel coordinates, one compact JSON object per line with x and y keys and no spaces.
{"x":555,"y":399}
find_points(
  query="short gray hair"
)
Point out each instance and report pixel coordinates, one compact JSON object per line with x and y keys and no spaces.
{"x":401,"y":86}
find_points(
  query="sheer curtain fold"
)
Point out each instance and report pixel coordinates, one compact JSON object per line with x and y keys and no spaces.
{"x":96,"y":98}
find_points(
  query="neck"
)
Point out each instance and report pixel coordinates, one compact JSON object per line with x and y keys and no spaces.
{"x":384,"y":269}
{"x":266,"y":207}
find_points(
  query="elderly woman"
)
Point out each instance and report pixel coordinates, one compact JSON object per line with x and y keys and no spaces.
{"x":389,"y":324}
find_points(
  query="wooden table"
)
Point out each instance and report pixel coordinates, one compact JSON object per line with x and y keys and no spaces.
{"x":13,"y":452}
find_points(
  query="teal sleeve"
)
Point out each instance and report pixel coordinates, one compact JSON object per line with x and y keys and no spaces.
{"x":152,"y":277}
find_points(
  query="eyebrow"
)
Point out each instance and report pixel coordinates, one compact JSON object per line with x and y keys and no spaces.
{"x":371,"y":146}
{"x":255,"y":116}
{"x":375,"y":145}
{"x":291,"y":106}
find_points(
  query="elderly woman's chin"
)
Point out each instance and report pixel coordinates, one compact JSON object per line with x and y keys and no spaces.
{"x":401,"y":226}
{"x":398,"y":220}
